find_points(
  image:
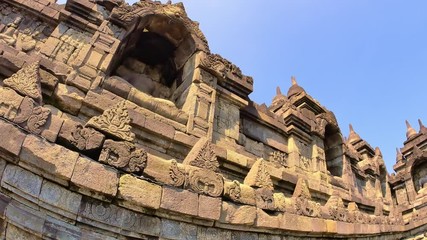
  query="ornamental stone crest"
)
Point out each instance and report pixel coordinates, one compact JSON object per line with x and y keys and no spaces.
{"x":259,"y":176}
{"x":26,"y":81}
{"x":114,"y":121}
{"x":203,"y":155}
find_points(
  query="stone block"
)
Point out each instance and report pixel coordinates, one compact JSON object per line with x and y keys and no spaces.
{"x":179,"y":200}
{"x":158,"y":169}
{"x":178,"y":230}
{"x":68,"y":98}
{"x":188,"y":140}
{"x":50,"y":160}
{"x":51,"y":128}
{"x":138,"y":193}
{"x":213,"y":233}
{"x":74,"y":136}
{"x":137,"y":225}
{"x":265,"y":220}
{"x":241,"y":235}
{"x":209,"y":207}
{"x":118,"y":86}
{"x":94,"y":179}
{"x":160,"y":128}
{"x":26,"y":218}
{"x":237,"y":158}
{"x":100,"y":215}
{"x":56,"y":229}
{"x":331,"y":226}
{"x":268,"y":237}
{"x":295,"y":222}
{"x":59,"y":200}
{"x":10,"y":147}
{"x":237,"y":214}
{"x":13,"y":232}
{"x":4,"y":202}
{"x":24,"y":184}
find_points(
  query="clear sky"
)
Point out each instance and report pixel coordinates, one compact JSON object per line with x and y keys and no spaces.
{"x":364,"y":60}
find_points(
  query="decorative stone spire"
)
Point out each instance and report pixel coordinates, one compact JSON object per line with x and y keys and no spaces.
{"x":352,"y":136}
{"x":410,"y":132}
{"x":423,"y":129}
{"x":378,"y":152}
{"x":399,"y":155}
{"x":295,"y":88}
{"x":278,"y":91}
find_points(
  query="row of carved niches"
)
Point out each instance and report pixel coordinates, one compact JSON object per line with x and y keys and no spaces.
{"x":21,"y":30}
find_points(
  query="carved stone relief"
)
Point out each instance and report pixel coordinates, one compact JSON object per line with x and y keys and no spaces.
{"x":26,"y":82}
{"x":32,"y":117}
{"x":203,"y":155}
{"x":279,"y":157}
{"x":259,"y":176}
{"x":9,"y":103}
{"x":123,"y":155}
{"x":114,"y":121}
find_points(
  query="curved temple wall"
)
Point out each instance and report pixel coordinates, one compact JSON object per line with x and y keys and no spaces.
{"x":116,"y":122}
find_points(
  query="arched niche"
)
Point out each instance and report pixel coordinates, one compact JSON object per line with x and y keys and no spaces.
{"x":152,"y":55}
{"x":333,"y":150}
{"x":419,"y":174}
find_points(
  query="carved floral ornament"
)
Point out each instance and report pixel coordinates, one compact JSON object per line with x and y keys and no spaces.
{"x":114,"y":121}
{"x":26,"y":81}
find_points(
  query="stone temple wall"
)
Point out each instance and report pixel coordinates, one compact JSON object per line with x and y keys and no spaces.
{"x":116,"y":122}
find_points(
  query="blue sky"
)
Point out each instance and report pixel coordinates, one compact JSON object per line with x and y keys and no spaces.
{"x":364,"y":60}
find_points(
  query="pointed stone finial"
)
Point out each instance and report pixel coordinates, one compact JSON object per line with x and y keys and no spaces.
{"x":295,"y":89}
{"x":378,"y":152}
{"x":352,"y":136}
{"x":278,"y":91}
{"x":27,"y":81}
{"x":294,"y":80}
{"x":423,"y":129}
{"x":410,"y":132}
{"x":399,"y":155}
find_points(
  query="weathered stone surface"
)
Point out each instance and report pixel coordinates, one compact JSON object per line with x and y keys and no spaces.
{"x":52,"y":161}
{"x":179,"y":200}
{"x":51,"y":129}
{"x":94,"y":179}
{"x":10,"y":146}
{"x":209,"y":207}
{"x":237,"y":214}
{"x":213,"y":233}
{"x":138,"y":193}
{"x":13,"y":232}
{"x":68,"y":98}
{"x":139,"y":225}
{"x":178,"y":230}
{"x":73,"y":135}
{"x":265,"y":220}
{"x":10,"y":101}
{"x":59,"y":200}
{"x":23,"y":183}
{"x":26,"y":218}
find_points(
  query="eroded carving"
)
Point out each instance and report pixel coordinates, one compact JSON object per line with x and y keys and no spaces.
{"x":259,"y":176}
{"x":9,"y":103}
{"x":31,"y":116}
{"x":279,"y":157}
{"x":123,"y":155}
{"x":232,"y":190}
{"x":206,"y":182}
{"x":114,"y":121}
{"x":203,"y":155}
{"x":177,"y":175}
{"x":26,"y":81}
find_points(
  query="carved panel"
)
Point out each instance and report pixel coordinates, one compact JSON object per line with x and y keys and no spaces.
{"x":206,"y":182}
{"x":199,"y":123}
{"x":279,"y":157}
{"x":114,"y":121}
{"x":32,"y":117}
{"x":9,"y":103}
{"x":123,"y":155}
{"x":26,"y":81}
